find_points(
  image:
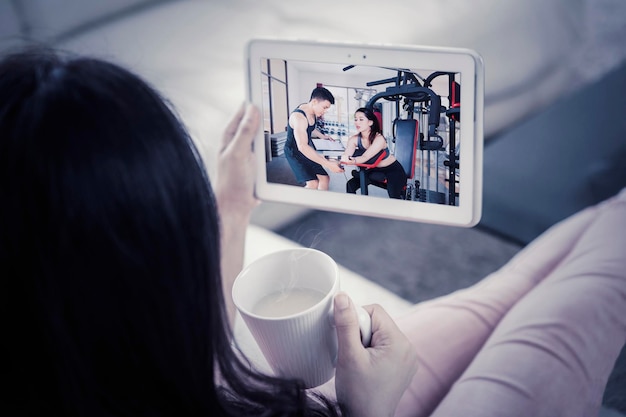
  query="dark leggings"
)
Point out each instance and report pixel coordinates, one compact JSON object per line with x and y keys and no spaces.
{"x":394,"y":174}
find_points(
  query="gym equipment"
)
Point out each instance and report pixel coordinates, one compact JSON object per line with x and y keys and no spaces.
{"x":405,"y":148}
{"x":453,"y":113}
{"x":417,"y":105}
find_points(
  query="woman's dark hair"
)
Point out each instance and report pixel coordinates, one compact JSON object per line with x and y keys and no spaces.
{"x":375,"y":128}
{"x":110,"y":257}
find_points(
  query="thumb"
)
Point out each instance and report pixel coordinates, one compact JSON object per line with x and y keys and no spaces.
{"x":347,"y":325}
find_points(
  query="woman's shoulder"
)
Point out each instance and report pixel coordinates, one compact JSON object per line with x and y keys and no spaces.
{"x":380,"y":140}
{"x":379,"y":135}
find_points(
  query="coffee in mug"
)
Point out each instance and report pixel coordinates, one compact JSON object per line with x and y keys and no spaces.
{"x":288,"y":301}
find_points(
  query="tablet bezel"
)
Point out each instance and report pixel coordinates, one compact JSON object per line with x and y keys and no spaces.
{"x":464,"y":61}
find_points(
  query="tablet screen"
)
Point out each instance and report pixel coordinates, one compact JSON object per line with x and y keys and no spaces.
{"x":380,"y":130}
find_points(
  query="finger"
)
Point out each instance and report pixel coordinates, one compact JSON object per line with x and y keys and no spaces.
{"x":246,"y":130}
{"x":384,"y":327}
{"x":347,"y":325}
{"x":231,"y":128}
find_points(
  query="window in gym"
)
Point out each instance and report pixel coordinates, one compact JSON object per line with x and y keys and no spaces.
{"x":275,"y":101}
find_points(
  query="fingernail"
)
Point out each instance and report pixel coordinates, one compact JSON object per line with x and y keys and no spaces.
{"x":342,"y":301}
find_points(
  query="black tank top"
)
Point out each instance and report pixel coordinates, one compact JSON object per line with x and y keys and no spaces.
{"x":290,"y":143}
{"x":360,"y":149}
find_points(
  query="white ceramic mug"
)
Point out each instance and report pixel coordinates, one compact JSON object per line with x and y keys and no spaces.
{"x":286,"y":300}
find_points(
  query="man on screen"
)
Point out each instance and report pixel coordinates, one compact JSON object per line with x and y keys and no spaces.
{"x":308,"y":166}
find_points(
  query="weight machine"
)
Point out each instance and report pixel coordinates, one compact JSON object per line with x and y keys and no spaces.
{"x":416,"y":129}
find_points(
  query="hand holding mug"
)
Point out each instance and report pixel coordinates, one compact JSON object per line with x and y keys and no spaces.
{"x":370,"y":382}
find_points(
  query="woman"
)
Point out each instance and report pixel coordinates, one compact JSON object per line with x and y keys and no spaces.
{"x":112,"y":256}
{"x":114,"y":267}
{"x":366,"y":147}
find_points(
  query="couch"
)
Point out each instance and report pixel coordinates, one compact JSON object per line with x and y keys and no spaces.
{"x":535,"y":52}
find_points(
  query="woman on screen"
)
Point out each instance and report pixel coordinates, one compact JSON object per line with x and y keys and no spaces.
{"x":369,"y":147}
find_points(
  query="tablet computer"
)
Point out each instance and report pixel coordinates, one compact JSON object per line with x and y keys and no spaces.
{"x":427,"y":103}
